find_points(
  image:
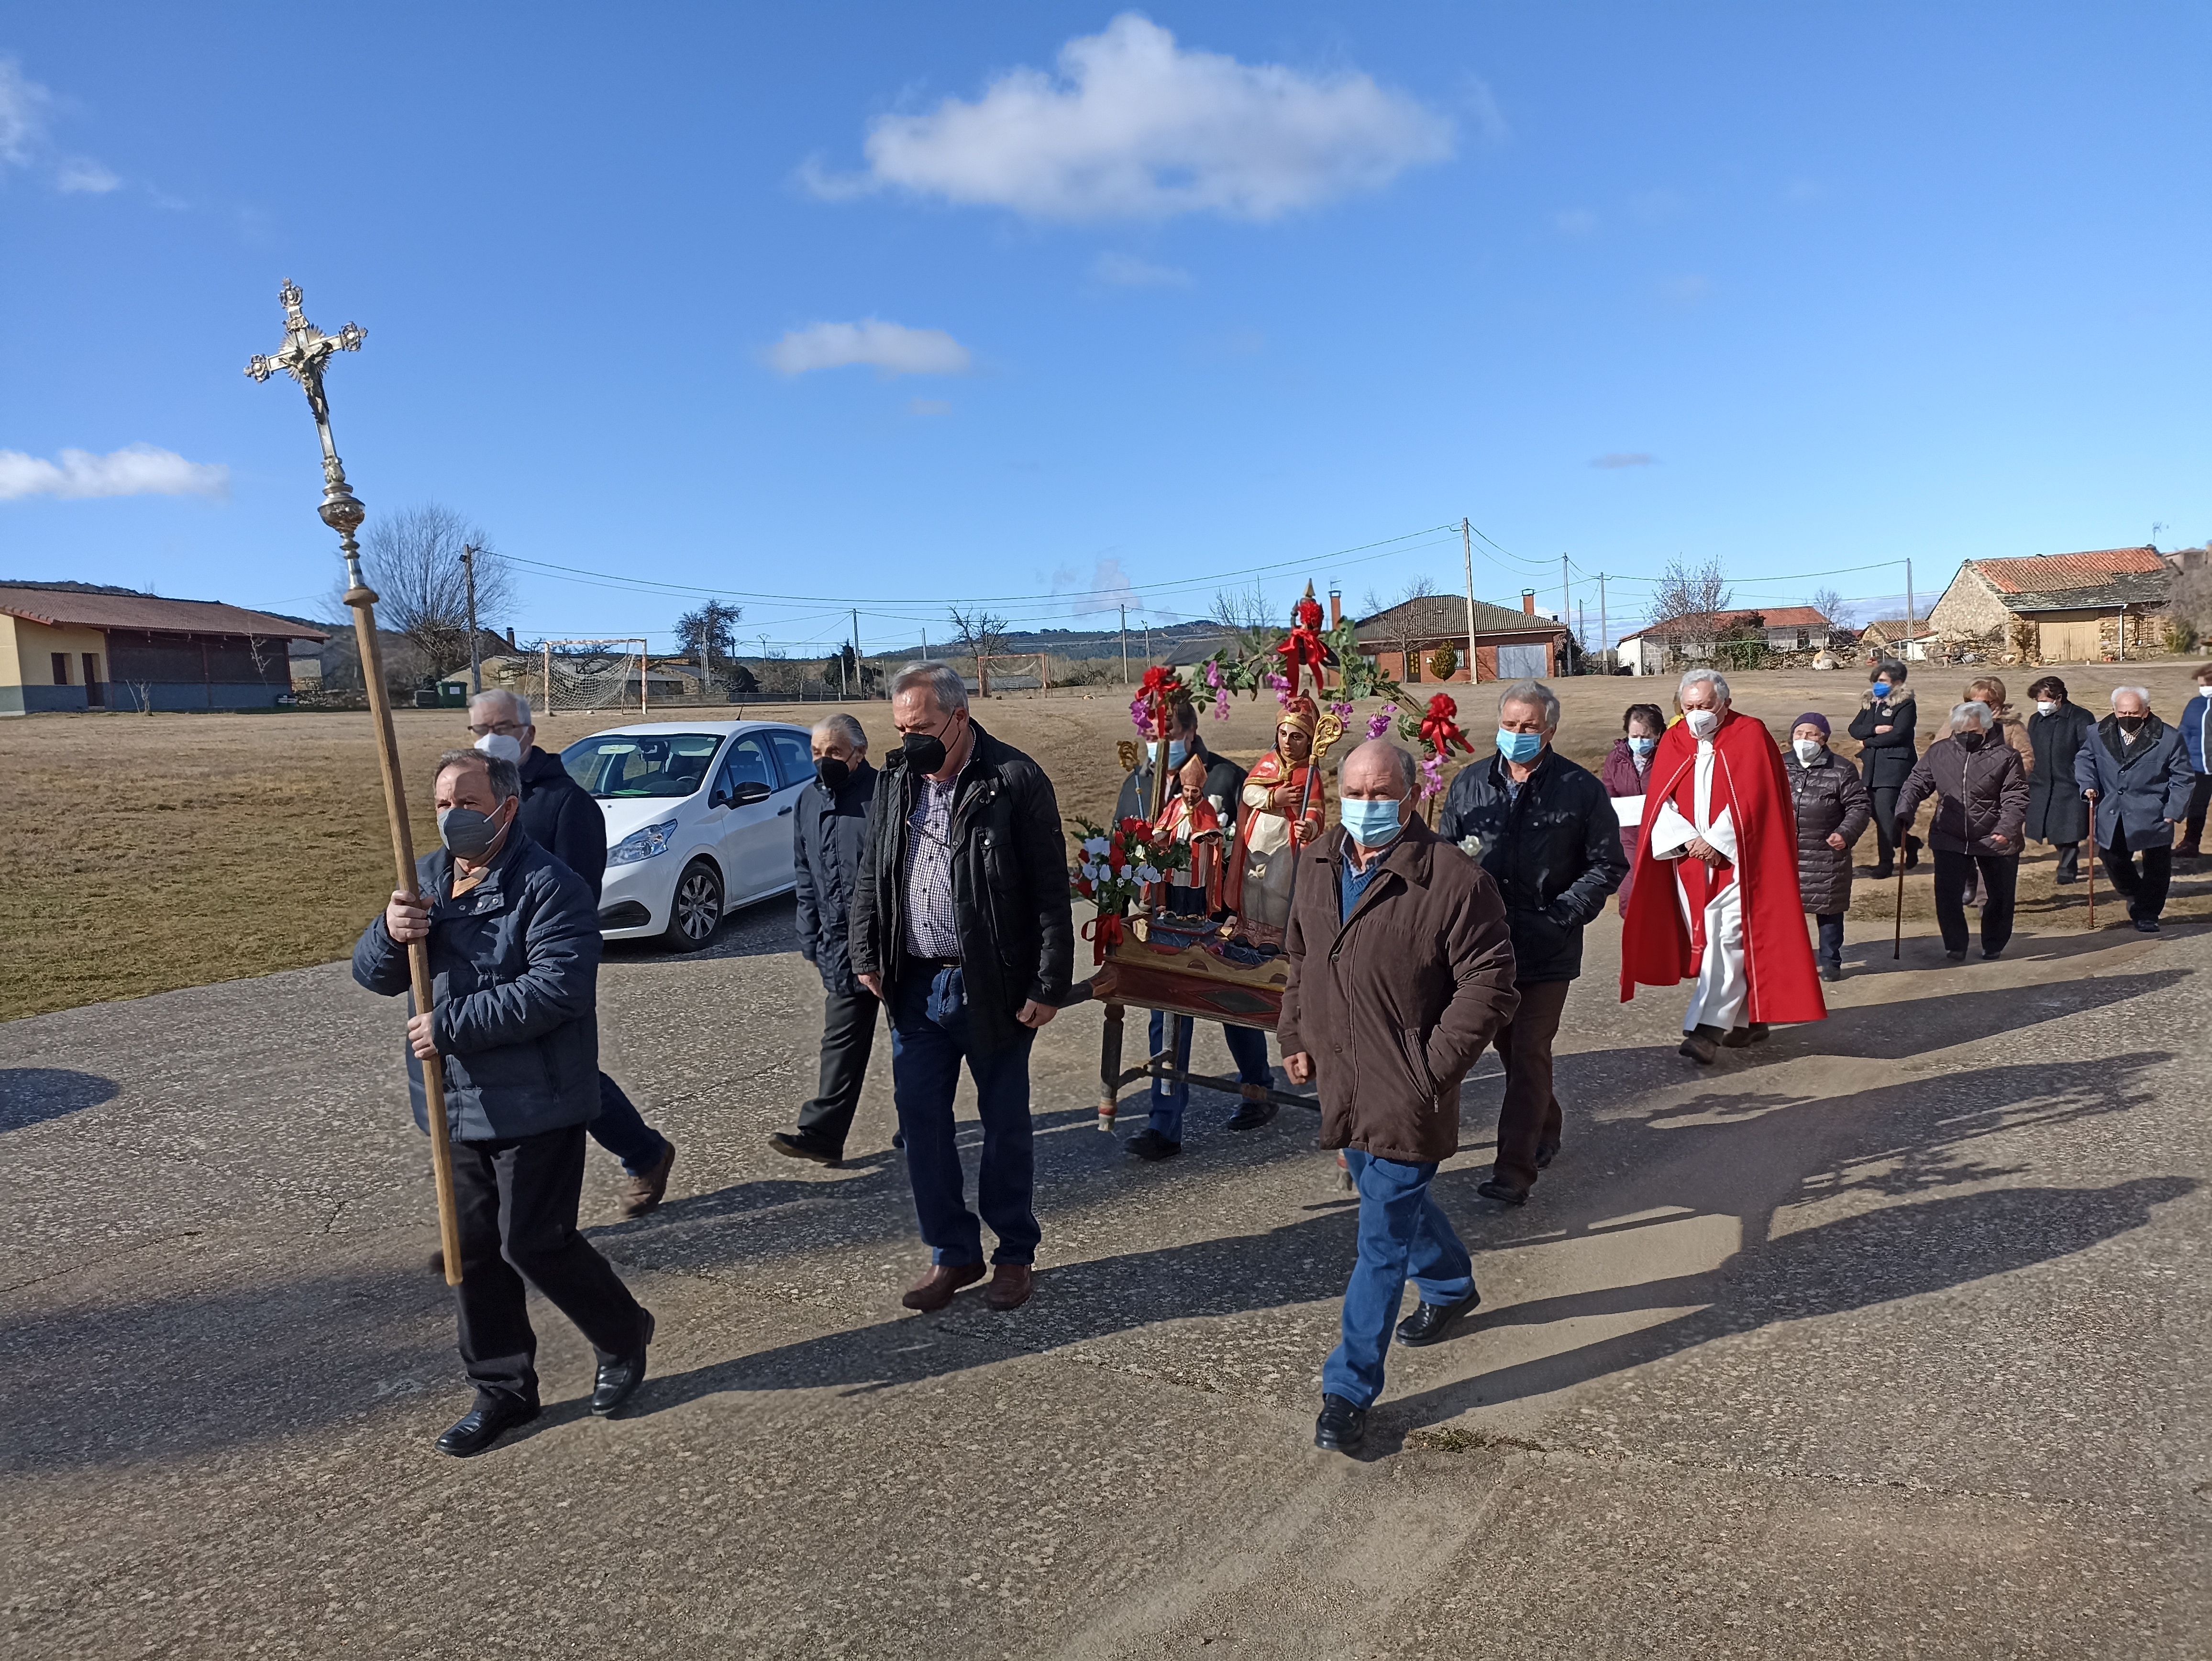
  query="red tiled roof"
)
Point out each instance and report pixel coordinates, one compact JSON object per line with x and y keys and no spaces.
{"x":2045,"y":572}
{"x":62,"y":608}
{"x":1776,"y":617}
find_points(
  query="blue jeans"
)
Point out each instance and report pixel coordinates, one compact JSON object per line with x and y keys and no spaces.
{"x":1831,"y":949}
{"x":1403,"y":1236}
{"x":929,"y":1040}
{"x":1247,"y":1047}
{"x":623,"y":1131}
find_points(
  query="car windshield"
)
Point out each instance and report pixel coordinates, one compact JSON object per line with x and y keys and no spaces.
{"x":620,"y":766}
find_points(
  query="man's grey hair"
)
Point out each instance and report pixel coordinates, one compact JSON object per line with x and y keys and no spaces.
{"x":2142,"y":692}
{"x":518,"y":705}
{"x":1719,"y":683}
{"x":505,"y":776}
{"x":946,"y":689}
{"x":1974,"y":711}
{"x":842,"y":725}
{"x":1408,"y":769}
{"x":1538,"y":697}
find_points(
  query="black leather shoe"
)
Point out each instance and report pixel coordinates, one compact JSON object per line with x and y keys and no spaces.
{"x":1251,"y":1115}
{"x":1545,"y":1154}
{"x":1743,"y":1037}
{"x":1152,"y":1147}
{"x":618,"y":1379}
{"x":1701,"y":1045}
{"x":799,"y":1145}
{"x":1497,"y":1188}
{"x":1341,"y":1426}
{"x":1431,"y":1324}
{"x":494,"y":1414}
{"x":1832,"y":971}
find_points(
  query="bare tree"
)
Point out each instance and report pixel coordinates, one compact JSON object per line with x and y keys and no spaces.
{"x":412,"y":558}
{"x":1830,"y":604}
{"x":1689,"y":600}
{"x":1241,"y":610}
{"x":983,"y":635}
{"x":1418,"y":587}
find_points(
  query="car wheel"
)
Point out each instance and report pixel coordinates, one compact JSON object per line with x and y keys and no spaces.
{"x":697,"y":910}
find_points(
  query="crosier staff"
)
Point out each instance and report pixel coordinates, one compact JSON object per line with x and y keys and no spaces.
{"x":305,"y":350}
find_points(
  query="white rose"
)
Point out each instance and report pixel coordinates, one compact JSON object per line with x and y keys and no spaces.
{"x":1122,"y":875}
{"x":1095,"y":846}
{"x":1147,"y":873}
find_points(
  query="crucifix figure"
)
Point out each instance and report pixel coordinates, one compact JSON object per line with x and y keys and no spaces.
{"x":305,"y":350}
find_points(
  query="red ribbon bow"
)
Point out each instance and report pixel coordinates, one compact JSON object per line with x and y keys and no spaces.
{"x":1439,"y":730}
{"x":1104,"y":932}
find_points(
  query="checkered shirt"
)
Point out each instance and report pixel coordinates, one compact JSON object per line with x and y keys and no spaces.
{"x":932,"y":928}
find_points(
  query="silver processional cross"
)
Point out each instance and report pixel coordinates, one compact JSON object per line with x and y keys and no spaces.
{"x":302,"y":355}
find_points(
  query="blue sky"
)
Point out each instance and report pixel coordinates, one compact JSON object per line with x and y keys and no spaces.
{"x":896,"y":305}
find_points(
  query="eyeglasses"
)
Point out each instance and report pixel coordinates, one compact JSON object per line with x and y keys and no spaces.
{"x":512,"y":728}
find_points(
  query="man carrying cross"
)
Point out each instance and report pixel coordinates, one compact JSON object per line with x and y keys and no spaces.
{"x":1725,"y":913}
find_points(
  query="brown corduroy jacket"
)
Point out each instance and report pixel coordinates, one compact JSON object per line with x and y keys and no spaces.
{"x":1395,"y":1002}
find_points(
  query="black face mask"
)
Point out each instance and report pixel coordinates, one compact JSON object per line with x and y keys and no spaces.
{"x":925,"y":752}
{"x":2130,"y":723}
{"x":1970,"y":740}
{"x":833,"y":774}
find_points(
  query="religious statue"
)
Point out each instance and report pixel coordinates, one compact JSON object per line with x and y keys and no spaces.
{"x":1284,"y":802}
{"x":1189,"y":821}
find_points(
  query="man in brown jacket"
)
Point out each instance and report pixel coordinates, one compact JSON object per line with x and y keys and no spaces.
{"x":1400,"y":975}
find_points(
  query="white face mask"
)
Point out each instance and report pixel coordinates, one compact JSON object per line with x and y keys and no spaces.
{"x":505,"y":746}
{"x":2045,"y":707}
{"x":2204,"y":692}
{"x":1704,"y":723}
{"x":1809,"y":750}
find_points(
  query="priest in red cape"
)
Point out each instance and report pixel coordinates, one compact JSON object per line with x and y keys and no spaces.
{"x":1715,"y":897}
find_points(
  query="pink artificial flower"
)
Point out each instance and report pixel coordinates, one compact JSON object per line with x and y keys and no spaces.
{"x":1432,"y":776}
{"x":1377,"y":726}
{"x":1280,"y":682}
{"x":1221,"y":706}
{"x":1140,"y":716}
{"x":1212,"y":674}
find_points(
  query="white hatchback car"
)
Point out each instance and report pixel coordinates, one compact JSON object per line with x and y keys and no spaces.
{"x":698,"y":821}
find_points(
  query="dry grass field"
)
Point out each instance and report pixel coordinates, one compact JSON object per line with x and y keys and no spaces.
{"x":144,"y":854}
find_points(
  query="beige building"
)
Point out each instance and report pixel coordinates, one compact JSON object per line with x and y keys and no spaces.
{"x":2058,"y":608}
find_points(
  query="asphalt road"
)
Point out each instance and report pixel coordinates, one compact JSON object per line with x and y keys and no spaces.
{"x":1886,"y":1338}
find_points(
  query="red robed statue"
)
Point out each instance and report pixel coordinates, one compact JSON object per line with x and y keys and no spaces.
{"x":1663,"y":936}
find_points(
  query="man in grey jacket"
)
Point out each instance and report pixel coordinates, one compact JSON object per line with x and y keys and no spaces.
{"x":2136,"y":772}
{"x":514,"y":942}
{"x":829,"y":834}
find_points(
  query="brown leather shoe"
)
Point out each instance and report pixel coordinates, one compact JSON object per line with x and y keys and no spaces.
{"x":638,"y":1195}
{"x":1010,"y":1288}
{"x":934,"y":1290}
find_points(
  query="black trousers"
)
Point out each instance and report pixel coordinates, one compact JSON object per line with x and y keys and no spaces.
{"x":1529,"y":1119}
{"x":848,"y":1034}
{"x":2000,"y":874}
{"x":517,"y":1201}
{"x":2200,"y":797}
{"x":1884,"y":816}
{"x":2145,"y":891}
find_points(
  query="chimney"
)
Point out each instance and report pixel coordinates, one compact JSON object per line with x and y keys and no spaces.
{"x":1529,"y":601}
{"x":511,"y":646}
{"x":1335,"y":605}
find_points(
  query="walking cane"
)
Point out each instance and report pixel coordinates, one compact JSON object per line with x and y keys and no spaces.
{"x":305,"y":350}
{"x":1897,"y":940}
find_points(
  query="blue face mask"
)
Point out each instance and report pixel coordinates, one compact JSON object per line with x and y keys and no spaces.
{"x":1520,"y":746}
{"x":1642,"y":746}
{"x":1178,"y":752}
{"x":1881,"y":688}
{"x":1370,"y":824}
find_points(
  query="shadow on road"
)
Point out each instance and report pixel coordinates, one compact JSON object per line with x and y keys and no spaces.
{"x":32,"y":1095}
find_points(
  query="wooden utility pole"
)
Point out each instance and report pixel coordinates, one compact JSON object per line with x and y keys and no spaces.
{"x":1604,"y":633}
{"x":476,"y":663}
{"x":1909,"y":631}
{"x":858,"y":674}
{"x":1125,"y":646}
{"x":1566,"y":597}
{"x":1467,"y":547}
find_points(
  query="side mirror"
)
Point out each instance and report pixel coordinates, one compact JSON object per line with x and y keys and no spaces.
{"x":749,"y":791}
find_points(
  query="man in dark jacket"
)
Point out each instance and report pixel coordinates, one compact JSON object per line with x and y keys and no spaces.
{"x":829,"y":836}
{"x":1161,"y":1136}
{"x":1550,"y":841}
{"x":559,"y":815}
{"x":1981,"y":803}
{"x":1884,"y":728}
{"x":2057,"y":812}
{"x":962,"y":924}
{"x":2137,"y":776}
{"x":1400,"y":975}
{"x":2195,"y":724}
{"x":514,"y":942}
{"x":1833,"y":811}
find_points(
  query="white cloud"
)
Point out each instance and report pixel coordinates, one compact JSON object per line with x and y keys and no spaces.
{"x":135,"y":470}
{"x":1126,"y":270}
{"x":1108,"y":590}
{"x":24,"y":107}
{"x":1574,"y":221}
{"x":82,"y":174}
{"x":892,"y":348}
{"x":1625,"y":459}
{"x":1133,"y":126}
{"x":929,"y":406}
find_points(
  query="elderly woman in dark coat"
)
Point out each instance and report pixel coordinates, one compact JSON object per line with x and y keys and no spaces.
{"x":1981,"y":802}
{"x":1883,"y":727}
{"x":2057,"y":811}
{"x":1627,"y":771}
{"x":1833,"y":811}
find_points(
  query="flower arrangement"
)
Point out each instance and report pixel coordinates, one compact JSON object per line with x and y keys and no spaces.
{"x":1117,"y":863}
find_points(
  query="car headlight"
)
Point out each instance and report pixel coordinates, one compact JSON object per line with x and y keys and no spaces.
{"x":642,"y":844}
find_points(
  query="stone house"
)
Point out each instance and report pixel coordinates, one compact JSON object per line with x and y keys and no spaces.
{"x":2058,"y":608}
